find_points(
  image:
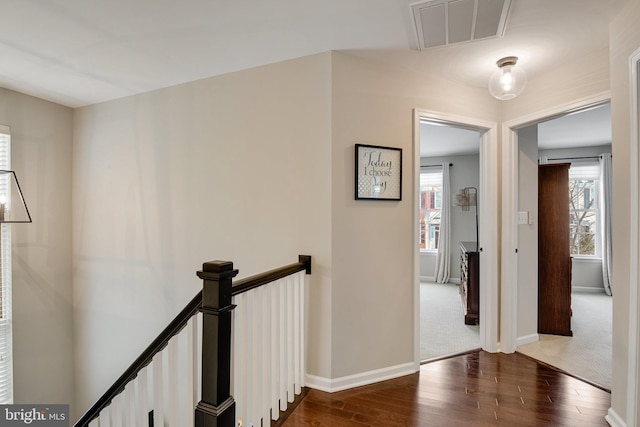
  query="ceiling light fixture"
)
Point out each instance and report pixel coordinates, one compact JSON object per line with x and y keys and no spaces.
{"x":508,"y":81}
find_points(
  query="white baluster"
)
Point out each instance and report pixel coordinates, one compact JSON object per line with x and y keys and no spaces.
{"x":158,"y":389}
{"x":186,"y":374}
{"x":116,"y":411}
{"x":141,"y":406}
{"x":172,"y":382}
{"x":256,"y":365}
{"x":129,"y":397}
{"x":252,"y":320}
{"x":105,"y":418}
{"x":194,"y":357}
{"x":303,"y":336}
{"x":282,"y":392}
{"x":239,"y":350}
{"x":291,"y":339}
{"x":265,"y":354}
{"x":297,"y":326}
{"x":275,"y":351}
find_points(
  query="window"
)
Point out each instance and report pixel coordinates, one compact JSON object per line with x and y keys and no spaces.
{"x":6,"y":363}
{"x":583,"y":210}
{"x":430,"y":205}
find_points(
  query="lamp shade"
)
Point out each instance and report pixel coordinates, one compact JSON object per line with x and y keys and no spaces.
{"x":13,"y":208}
{"x":509,"y":80}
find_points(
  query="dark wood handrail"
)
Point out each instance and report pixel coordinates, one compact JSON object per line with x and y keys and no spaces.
{"x":176,"y":326}
{"x":143,"y":360}
{"x":244,"y":285}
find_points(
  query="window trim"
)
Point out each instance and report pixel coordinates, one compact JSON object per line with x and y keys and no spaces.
{"x":434,"y":180}
{"x":6,"y":321}
{"x":588,"y":171}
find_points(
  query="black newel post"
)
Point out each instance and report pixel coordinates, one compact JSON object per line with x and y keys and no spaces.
{"x":217,"y":407}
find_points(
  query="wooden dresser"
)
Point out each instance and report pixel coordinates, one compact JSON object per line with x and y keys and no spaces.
{"x":470,"y":282}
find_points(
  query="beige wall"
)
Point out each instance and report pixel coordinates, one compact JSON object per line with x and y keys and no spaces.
{"x":528,"y":233}
{"x":41,"y":140}
{"x":235,"y":167}
{"x":255,"y":167}
{"x":372,"y":241}
{"x":625,"y":39}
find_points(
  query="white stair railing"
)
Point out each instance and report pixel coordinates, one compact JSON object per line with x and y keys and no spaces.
{"x":169,"y":386}
{"x":165,"y":383}
{"x":268,"y":349}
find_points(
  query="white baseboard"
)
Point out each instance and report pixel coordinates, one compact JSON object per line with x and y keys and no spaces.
{"x":587,"y":289}
{"x":527,"y":339}
{"x":332,"y":385}
{"x":614,"y":419}
{"x":453,"y":280}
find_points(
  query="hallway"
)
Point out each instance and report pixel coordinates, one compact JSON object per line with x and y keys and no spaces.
{"x":586,"y":354}
{"x":479,"y":389}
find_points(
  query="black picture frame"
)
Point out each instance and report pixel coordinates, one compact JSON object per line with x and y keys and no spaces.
{"x":378,"y":172}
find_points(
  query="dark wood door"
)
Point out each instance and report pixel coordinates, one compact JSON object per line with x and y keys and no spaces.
{"x":554,"y":257}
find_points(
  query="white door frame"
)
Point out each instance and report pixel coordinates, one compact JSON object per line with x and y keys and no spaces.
{"x":633,"y":359}
{"x":488,"y":213}
{"x":509,"y":265}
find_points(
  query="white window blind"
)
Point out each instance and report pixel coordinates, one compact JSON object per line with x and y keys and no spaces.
{"x":585,"y":171}
{"x":431,"y":178}
{"x":6,"y":362}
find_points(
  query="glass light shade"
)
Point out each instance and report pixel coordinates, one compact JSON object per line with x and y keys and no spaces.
{"x":508,"y":81}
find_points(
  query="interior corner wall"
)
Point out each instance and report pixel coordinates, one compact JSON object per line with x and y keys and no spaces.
{"x":528,"y":233}
{"x":234,"y":167}
{"x":41,"y":152}
{"x":373,"y":241}
{"x":624,"y":41}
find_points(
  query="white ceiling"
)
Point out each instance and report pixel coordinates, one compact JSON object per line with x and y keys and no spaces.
{"x":79,"y":52}
{"x":437,"y":140}
{"x":589,"y":127}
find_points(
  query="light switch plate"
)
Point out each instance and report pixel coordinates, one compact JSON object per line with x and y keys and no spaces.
{"x":524,"y":217}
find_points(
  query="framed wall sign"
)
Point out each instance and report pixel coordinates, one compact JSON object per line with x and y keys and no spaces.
{"x":378,"y":173}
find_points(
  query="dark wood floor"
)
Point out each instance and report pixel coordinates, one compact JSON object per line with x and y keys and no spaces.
{"x":476,"y":389}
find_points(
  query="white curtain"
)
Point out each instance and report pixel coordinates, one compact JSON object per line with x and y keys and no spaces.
{"x":543,"y":160}
{"x":605,"y":220}
{"x":443,"y":258}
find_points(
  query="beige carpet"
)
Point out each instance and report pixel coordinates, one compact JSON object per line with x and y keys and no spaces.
{"x":442,"y":329}
{"x":587,"y":354}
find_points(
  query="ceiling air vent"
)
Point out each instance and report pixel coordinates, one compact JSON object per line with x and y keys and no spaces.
{"x":445,"y":22}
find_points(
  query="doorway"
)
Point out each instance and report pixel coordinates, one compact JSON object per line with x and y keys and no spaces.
{"x":564,"y":137}
{"x":485,"y":184}
{"x":449,"y":181}
{"x":633,"y":364}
